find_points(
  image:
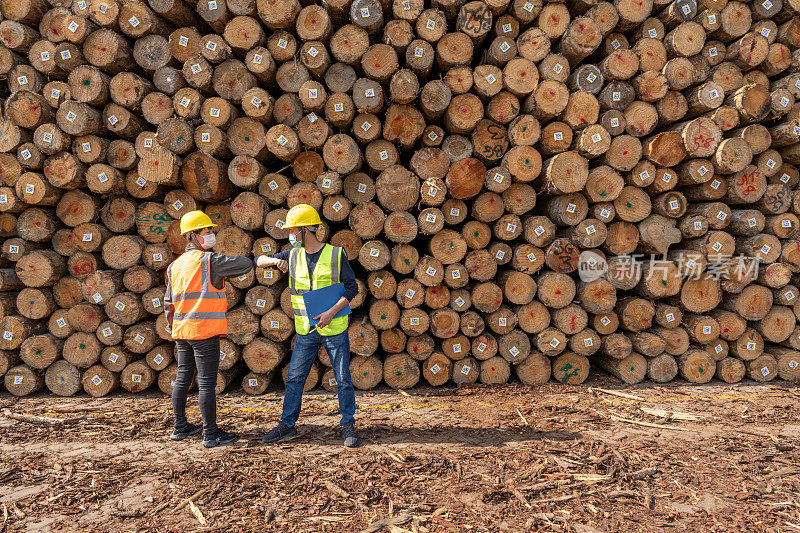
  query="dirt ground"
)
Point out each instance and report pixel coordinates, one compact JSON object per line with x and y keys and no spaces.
{"x":514,"y":458}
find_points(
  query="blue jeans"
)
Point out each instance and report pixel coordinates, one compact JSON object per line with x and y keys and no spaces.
{"x":303,"y":355}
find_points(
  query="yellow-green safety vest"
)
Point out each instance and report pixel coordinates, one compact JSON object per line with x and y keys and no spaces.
{"x":326,"y":272}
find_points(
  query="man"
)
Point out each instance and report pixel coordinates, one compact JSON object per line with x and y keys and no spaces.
{"x":313,"y":265}
{"x":195,"y":304}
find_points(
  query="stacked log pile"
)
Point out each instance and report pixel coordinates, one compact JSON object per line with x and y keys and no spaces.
{"x":472,"y":158}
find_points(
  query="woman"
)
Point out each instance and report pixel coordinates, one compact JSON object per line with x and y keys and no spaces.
{"x":195,"y":304}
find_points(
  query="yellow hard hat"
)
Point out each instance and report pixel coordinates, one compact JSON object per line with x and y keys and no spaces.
{"x":302,"y":215}
{"x":194,"y":220}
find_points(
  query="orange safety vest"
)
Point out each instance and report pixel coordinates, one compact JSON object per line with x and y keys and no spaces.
{"x":199,"y":306}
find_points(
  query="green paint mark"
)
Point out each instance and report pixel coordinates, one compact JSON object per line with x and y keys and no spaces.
{"x":383,"y":316}
{"x":407,"y":262}
{"x":83,"y":346}
{"x":603,"y":193}
{"x":247,"y":138}
{"x":32,"y":302}
{"x":633,"y":369}
{"x":477,"y":234}
{"x":87,"y":82}
{"x":179,"y":139}
{"x":629,"y":204}
{"x":366,"y":374}
{"x":567,"y":374}
{"x":524,"y":128}
{"x":527,"y":161}
{"x":664,"y":282}
{"x":38,"y":352}
{"x":701,"y":369}
{"x":398,"y":373}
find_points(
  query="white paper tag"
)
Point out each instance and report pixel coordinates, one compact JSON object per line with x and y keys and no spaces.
{"x":431,"y":271}
{"x":45,"y":56}
{"x":13,"y":248}
{"x":211,"y":45}
{"x":590,"y":78}
{"x":432,"y":136}
{"x":139,"y":338}
{"x":616,"y":96}
{"x":410,"y":293}
{"x":571,"y":208}
{"x":459,"y":301}
{"x":313,"y":52}
{"x":282,"y":140}
{"x":614,"y":122}
{"x":418,"y":52}
{"x":158,"y":359}
{"x":47,"y":137}
{"x":337,"y":206}
{"x":364,"y":11}
{"x":539,"y":230}
{"x":30,"y":188}
{"x":652,"y":33}
{"x":196,"y":68}
{"x":431,"y":25}
{"x":338,"y":107}
{"x":706,"y":330}
{"x":457,"y":348}
{"x":369,"y":93}
{"x":455,"y":274}
{"x":97,"y":380}
{"x":715,"y":184}
{"x":71,"y":116}
{"x":765,"y":371}
{"x":559,"y":136}
{"x":61,"y":322}
{"x":183,"y":40}
{"x":136,"y":378}
{"x":378,"y":282}
{"x":712,"y":19}
{"x":374,"y":252}
{"x":465,"y":370}
{"x":261,"y":303}
{"x":500,"y":254}
{"x":17,"y":380}
{"x":751,"y":345}
{"x":253,"y":382}
{"x":502,"y":321}
{"x":435,"y":369}
{"x":414,"y":321}
{"x":511,"y":228}
{"x":554,"y":343}
{"x":491,"y":79}
{"x":135,"y":22}
{"x":212,"y":4}
{"x":274,"y":324}
{"x":430,"y":217}
{"x":590,"y":230}
{"x":148,"y":143}
{"x":7,"y":335}
{"x":793,"y":364}
{"x":383,"y":155}
{"x":97,"y":297}
{"x":282,"y":43}
{"x":272,"y":185}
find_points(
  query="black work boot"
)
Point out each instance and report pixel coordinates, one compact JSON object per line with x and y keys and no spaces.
{"x":350,"y":436}
{"x":280,"y":433}
{"x":187,"y":430}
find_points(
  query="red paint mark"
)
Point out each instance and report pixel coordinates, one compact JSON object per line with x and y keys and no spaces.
{"x":491,"y":200}
{"x":124,"y":153}
{"x":37,"y":224}
{"x":701,"y":293}
{"x":552,"y":93}
{"x":377,"y":65}
{"x":554,"y":19}
{"x":624,"y":152}
{"x":726,"y":330}
{"x":460,"y":80}
{"x":558,"y":292}
{"x":522,"y":74}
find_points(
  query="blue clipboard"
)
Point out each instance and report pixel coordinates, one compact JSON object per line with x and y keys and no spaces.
{"x":320,"y":300}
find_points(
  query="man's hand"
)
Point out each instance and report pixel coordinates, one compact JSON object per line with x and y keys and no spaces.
{"x":324,"y":318}
{"x":265,"y":262}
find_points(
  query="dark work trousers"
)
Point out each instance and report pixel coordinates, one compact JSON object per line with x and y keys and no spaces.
{"x":203,"y":355}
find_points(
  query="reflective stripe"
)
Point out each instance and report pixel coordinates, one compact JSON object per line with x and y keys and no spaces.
{"x":205,"y":267}
{"x":336,"y":265}
{"x":197,"y":295}
{"x":299,"y":312}
{"x":293,"y":268}
{"x":199,"y":315}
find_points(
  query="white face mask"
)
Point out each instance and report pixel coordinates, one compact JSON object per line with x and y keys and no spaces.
{"x":208,"y":241}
